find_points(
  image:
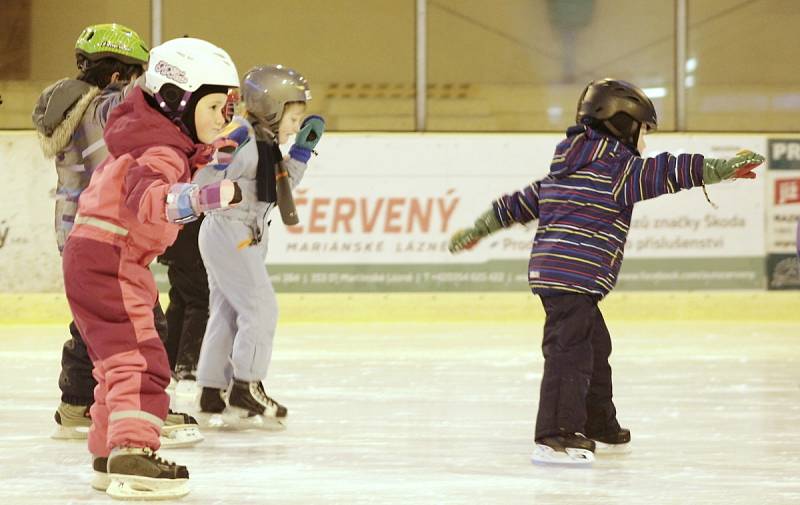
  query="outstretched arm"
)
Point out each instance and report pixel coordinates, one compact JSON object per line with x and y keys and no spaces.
{"x":645,"y":178}
{"x":518,"y":207}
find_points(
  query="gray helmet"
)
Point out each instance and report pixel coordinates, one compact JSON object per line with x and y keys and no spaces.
{"x":604,"y":99}
{"x":266,"y":89}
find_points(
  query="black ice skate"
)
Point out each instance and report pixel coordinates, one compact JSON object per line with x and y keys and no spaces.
{"x":180,"y":430}
{"x":612,"y":442}
{"x":141,"y":474}
{"x":253,"y":408}
{"x":572,"y":449}
{"x":212,"y":401}
{"x":212,"y":406}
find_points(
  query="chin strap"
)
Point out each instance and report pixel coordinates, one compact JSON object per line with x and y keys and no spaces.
{"x":175,"y":115}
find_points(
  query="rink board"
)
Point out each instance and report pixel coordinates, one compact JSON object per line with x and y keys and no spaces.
{"x":503,"y":307}
{"x":376,"y":212}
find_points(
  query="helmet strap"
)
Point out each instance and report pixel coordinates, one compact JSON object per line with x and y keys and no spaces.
{"x":629,"y":138}
{"x":176,"y":114}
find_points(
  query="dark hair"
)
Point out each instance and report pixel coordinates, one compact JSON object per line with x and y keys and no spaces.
{"x":98,"y":73}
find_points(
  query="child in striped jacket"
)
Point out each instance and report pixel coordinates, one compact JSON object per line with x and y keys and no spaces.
{"x":584,"y":207}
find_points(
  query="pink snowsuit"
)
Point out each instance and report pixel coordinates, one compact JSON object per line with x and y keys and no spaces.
{"x":121,"y":227}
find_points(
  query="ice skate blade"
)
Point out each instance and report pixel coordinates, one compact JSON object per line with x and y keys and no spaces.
{"x":576,"y":458}
{"x":239,"y":419}
{"x":211,"y":421}
{"x":180,"y":435}
{"x":134,"y":487}
{"x":100,"y":481}
{"x":612,"y":449}
{"x":70,"y":433}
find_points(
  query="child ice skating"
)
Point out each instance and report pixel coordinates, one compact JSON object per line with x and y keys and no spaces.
{"x":237,"y":346}
{"x":130,"y":213}
{"x":584,"y":207}
{"x":187,"y":312}
{"x":69,"y":117}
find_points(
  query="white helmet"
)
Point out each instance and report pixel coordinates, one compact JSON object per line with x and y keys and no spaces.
{"x":188,"y":64}
{"x":181,"y":71}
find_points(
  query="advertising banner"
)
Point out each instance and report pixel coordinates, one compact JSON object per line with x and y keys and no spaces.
{"x":376,"y":212}
{"x":783,"y":212}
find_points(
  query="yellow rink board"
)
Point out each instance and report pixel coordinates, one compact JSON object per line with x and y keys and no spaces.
{"x":342,"y":308}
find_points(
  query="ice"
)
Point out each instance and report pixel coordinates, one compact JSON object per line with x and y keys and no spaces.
{"x":444,"y":413}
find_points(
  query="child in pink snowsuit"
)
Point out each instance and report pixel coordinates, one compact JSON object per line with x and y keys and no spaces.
{"x":130,"y":213}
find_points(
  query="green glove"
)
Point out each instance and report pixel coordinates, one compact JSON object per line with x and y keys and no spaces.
{"x":466,"y":238}
{"x":310,"y":132}
{"x":739,"y":167}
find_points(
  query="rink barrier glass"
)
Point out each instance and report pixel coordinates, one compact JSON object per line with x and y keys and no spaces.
{"x":516,"y":65}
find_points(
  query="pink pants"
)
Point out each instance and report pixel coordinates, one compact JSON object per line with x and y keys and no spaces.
{"x":111,"y":294}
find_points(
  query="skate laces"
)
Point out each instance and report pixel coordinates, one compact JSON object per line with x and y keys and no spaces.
{"x":264,"y":397}
{"x":184,"y":417}
{"x":151,"y":454}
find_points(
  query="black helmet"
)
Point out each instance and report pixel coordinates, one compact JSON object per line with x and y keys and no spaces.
{"x":619,"y":107}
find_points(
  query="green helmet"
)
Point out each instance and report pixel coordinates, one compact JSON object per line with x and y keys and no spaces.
{"x":111,"y":41}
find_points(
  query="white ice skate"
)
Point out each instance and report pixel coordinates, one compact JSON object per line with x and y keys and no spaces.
{"x":186,"y":391}
{"x":72,"y":421}
{"x":140,"y":474}
{"x":180,"y":430}
{"x":573,"y":450}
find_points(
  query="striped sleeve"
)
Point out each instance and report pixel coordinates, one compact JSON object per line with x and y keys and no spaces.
{"x":518,"y":207}
{"x":644,"y":178}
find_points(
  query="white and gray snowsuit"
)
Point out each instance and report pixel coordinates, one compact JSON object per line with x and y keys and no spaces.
{"x":233,"y":243}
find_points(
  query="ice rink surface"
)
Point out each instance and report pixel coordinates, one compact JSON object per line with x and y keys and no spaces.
{"x":443,"y":414}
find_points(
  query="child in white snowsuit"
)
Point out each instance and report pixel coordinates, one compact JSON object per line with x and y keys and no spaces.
{"x":237,"y":346}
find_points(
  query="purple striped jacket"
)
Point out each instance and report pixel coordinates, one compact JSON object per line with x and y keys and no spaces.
{"x":584,"y":207}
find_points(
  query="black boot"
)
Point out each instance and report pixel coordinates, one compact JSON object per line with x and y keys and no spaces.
{"x":251,"y":397}
{"x":212,"y":401}
{"x":564,"y":449}
{"x":613,"y":441}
